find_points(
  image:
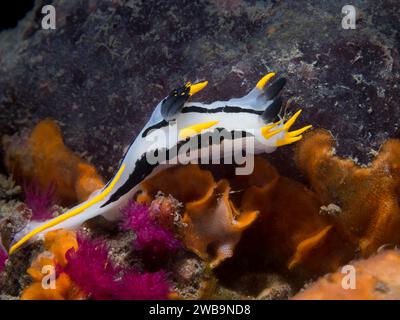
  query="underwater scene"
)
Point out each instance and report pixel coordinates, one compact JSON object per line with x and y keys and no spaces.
{"x":200,"y":150}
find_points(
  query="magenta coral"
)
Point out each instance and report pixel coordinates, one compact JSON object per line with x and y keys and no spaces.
{"x":3,"y":258}
{"x":92,"y":270}
{"x":147,"y":286}
{"x":40,"y":202}
{"x":149,"y":234}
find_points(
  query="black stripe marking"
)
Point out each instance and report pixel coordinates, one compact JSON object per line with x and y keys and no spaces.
{"x":143,"y":168}
{"x":227,"y":109}
{"x":158,"y":125}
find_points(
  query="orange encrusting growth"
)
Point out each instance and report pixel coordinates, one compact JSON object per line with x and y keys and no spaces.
{"x":367,"y":196}
{"x":185,"y":183}
{"x":57,"y":243}
{"x":289,"y":231}
{"x":65,"y":290}
{"x":43,"y":158}
{"x":376,"y":278}
{"x":213,"y":224}
{"x":217,"y":223}
{"x":293,"y":230}
{"x":288,"y":226}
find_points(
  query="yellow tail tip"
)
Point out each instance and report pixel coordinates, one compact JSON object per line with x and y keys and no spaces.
{"x":263,"y":81}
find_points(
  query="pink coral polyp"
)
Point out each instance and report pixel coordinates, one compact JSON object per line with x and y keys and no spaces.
{"x":39,"y":201}
{"x":92,"y":270}
{"x":3,"y":258}
{"x":147,"y":286}
{"x":149,"y":234}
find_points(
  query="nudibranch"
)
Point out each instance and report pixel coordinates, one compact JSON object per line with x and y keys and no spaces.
{"x":175,"y":122}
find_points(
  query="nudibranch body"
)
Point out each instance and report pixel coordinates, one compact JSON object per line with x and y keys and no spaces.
{"x":180,"y":129}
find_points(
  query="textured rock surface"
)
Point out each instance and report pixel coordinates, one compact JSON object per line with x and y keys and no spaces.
{"x":108,"y":63}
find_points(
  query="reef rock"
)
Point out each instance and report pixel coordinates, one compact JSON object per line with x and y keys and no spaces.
{"x":105,"y":66}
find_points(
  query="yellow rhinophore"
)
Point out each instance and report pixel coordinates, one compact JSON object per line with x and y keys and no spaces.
{"x":195,"y":129}
{"x":293,"y":136}
{"x":288,"y":124}
{"x":261,"y":84}
{"x":194,"y":88}
{"x":71,"y":213}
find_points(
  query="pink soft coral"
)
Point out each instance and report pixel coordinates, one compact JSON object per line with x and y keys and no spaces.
{"x":91,"y":269}
{"x":149,"y":234}
{"x":40,"y":201}
{"x":3,"y":258}
{"x":147,"y":286}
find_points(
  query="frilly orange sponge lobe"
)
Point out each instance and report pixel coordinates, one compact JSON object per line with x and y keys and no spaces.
{"x":376,"y":278}
{"x":349,"y":210}
{"x":289,"y":231}
{"x":65,"y":290}
{"x":278,"y":218}
{"x":57,"y":243}
{"x":213,"y":223}
{"x":367,"y":196}
{"x":185,"y":183}
{"x":42,"y":157}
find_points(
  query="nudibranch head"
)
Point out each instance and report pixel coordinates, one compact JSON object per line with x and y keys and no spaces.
{"x":171,"y":105}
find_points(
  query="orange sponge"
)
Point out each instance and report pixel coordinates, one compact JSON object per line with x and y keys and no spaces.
{"x":213,"y":224}
{"x":376,"y":278}
{"x":65,"y":290}
{"x":42,"y":157}
{"x":57,"y":243}
{"x":367,"y":196}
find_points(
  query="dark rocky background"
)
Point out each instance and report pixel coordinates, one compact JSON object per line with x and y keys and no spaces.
{"x":109,"y":62}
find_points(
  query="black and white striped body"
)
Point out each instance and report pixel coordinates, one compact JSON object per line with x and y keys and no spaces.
{"x":240,"y":121}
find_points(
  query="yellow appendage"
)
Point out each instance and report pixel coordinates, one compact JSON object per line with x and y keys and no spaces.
{"x":290,"y":137}
{"x":195,"y":129}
